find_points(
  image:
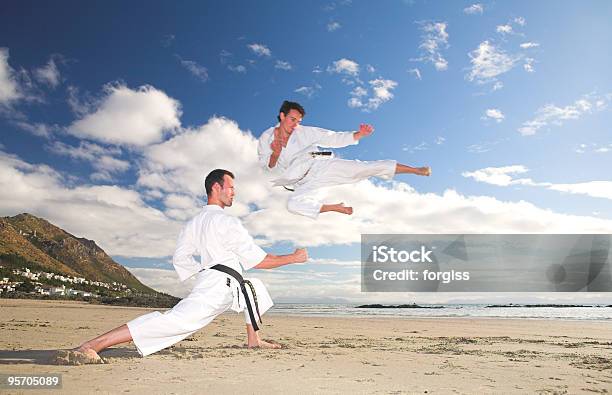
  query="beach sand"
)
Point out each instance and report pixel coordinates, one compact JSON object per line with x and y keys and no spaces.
{"x":320,"y":354}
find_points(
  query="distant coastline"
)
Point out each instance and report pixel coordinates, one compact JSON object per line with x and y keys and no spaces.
{"x":509,"y":305}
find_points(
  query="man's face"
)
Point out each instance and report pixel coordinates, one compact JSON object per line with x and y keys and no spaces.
{"x":290,"y":121}
{"x":226,"y":193}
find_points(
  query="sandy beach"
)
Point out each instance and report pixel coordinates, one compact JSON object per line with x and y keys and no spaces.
{"x":320,"y":355}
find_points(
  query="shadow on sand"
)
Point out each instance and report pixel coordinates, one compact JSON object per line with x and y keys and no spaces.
{"x":48,"y":357}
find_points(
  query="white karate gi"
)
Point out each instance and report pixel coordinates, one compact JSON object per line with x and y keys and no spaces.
{"x":307,"y":173}
{"x":218,"y":239}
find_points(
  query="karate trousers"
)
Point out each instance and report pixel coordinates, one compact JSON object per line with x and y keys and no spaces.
{"x":327,"y":172}
{"x":210,"y":297}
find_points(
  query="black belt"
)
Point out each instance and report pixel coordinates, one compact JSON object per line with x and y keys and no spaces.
{"x":320,"y":153}
{"x":243,"y":283}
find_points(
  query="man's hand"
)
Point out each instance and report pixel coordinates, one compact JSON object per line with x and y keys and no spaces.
{"x":276,"y":146}
{"x":364,"y":131}
{"x":300,"y":255}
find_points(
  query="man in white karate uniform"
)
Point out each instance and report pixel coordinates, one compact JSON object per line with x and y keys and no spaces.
{"x":291,"y":152}
{"x":223,"y":245}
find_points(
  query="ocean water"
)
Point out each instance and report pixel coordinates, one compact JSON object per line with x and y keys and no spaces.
{"x":464,"y":310}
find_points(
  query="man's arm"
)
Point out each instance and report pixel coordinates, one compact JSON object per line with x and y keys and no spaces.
{"x":329,"y":138}
{"x":183,"y":260}
{"x":272,"y":261}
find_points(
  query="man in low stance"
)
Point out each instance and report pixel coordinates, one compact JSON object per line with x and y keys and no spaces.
{"x":225,"y":249}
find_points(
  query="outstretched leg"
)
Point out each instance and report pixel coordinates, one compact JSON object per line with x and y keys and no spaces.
{"x":420,"y":171}
{"x":92,"y":347}
{"x":334,"y":172}
{"x":253,"y":340}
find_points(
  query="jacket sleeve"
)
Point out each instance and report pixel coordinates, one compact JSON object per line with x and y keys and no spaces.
{"x":183,"y":260}
{"x":328,"y":138}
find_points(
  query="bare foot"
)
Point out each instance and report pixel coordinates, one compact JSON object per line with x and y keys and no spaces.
{"x":264,"y":344}
{"x":345,"y":209}
{"x":339,"y":208}
{"x":77,"y":356}
{"x":89,"y":353}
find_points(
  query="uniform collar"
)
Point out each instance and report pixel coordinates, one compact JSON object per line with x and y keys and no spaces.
{"x":213,"y":207}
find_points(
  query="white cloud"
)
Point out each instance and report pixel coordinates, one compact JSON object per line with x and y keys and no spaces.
{"x":132,"y":117}
{"x":581,"y":149}
{"x":48,"y":74}
{"x":381,"y":93}
{"x":495,"y":114}
{"x":501,"y":176}
{"x":308,"y":91}
{"x":528,"y":66}
{"x":115,"y":217}
{"x":479,"y":148}
{"x":163,"y":280}
{"x":126,"y":225}
{"x":488,"y":62}
{"x":528,"y":45}
{"x":400,"y":209}
{"x":217,"y":144}
{"x":440,"y":140}
{"x":180,"y":207}
{"x":359,"y":91}
{"x":412,"y":149}
{"x":79,"y":106}
{"x":102,"y":159}
{"x":198,"y":71}
{"x":416,"y":73}
{"x":599,"y":189}
{"x":382,"y":90}
{"x":238,"y":69}
{"x":344,"y":66}
{"x":111,"y":164}
{"x":37,"y":129}
{"x":354,"y":102}
{"x":509,"y":29}
{"x":260,"y":49}
{"x":551,"y":113}
{"x":434,"y":40}
{"x":474,"y":9}
{"x":504,"y":29}
{"x":85,"y":151}
{"x":370,"y":69}
{"x":10,"y":90}
{"x":282,"y":65}
{"x":333,"y":26}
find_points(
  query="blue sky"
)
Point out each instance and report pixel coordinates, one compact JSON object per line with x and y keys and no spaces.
{"x":111,"y":113}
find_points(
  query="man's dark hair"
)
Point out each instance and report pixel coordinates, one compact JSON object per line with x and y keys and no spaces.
{"x":215,"y":176}
{"x":288,"y":106}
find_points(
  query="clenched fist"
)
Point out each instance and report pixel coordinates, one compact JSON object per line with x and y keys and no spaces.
{"x":300,"y":255}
